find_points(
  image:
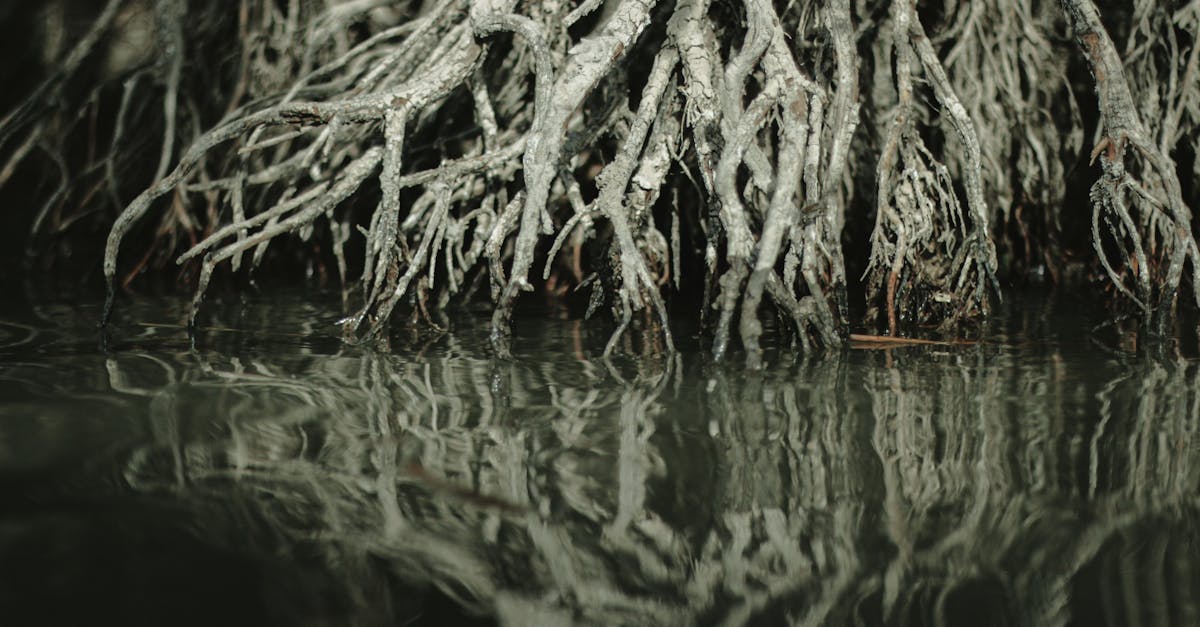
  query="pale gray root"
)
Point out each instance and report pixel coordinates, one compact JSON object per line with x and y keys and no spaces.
{"x":774,"y":173}
{"x":1028,"y":137}
{"x":759,"y":115}
{"x":796,"y":195}
{"x":556,"y":100}
{"x":638,"y":288}
{"x":923,"y":249}
{"x":976,"y":262}
{"x":1140,"y":190}
{"x":733,"y":213}
{"x":462,"y":214}
{"x":837,"y":136}
{"x":409,"y":90}
{"x":307,"y":210}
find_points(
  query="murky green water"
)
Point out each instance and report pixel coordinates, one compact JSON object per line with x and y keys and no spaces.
{"x":272,"y":475}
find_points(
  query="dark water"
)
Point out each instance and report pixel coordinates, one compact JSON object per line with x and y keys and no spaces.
{"x":271,"y":475}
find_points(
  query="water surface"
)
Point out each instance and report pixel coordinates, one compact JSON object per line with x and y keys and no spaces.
{"x":266,"y":473}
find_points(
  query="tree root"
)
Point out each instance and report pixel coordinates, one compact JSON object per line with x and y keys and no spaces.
{"x":1156,"y":244}
{"x":430,"y":107}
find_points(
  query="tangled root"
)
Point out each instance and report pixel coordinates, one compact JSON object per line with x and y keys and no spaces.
{"x":485,"y":138}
